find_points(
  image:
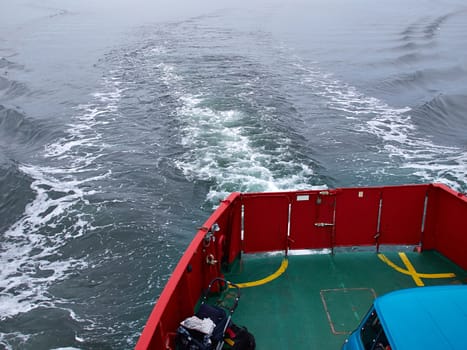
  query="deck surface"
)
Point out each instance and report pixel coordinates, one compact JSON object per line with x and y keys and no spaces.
{"x":320,"y":298}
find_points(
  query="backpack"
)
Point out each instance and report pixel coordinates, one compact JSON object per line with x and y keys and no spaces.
{"x":238,"y":338}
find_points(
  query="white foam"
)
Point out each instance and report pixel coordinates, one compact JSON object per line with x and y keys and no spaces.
{"x":30,"y":254}
{"x":159,"y":50}
{"x":220,"y":149}
{"x":169,"y":75}
{"x":5,"y":339}
{"x":27,"y":249}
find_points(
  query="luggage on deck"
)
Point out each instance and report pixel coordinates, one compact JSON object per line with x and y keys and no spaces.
{"x":211,"y":327}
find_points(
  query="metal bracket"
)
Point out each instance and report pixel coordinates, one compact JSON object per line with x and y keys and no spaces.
{"x":210,"y":260}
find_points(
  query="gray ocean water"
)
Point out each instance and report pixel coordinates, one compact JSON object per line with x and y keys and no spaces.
{"x":123,"y":123}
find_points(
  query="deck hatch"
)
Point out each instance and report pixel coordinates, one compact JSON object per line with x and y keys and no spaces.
{"x":345,"y":307}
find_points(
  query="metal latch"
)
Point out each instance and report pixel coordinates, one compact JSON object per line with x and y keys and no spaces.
{"x":323,"y":224}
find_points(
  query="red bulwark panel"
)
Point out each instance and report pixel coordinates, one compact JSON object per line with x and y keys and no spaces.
{"x":357,"y":216}
{"x":265,"y":223}
{"x":402,"y":214}
{"x":448,"y":224}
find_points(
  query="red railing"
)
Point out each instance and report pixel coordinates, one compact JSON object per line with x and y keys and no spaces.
{"x":429,"y":216}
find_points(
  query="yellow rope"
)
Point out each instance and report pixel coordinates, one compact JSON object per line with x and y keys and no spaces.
{"x":267,"y":279}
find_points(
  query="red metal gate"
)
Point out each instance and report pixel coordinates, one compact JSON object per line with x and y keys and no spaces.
{"x":312,"y":220}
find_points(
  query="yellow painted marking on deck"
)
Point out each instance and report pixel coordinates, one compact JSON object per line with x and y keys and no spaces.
{"x":410,"y":269}
{"x":267,"y":279}
{"x":384,"y":259}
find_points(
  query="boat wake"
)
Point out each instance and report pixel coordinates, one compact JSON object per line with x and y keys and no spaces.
{"x":234,"y":136}
{"x":237,"y":124}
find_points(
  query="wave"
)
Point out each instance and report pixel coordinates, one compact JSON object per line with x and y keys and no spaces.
{"x":7,"y":64}
{"x":16,"y":193}
{"x":426,"y":28}
{"x":14,"y":124}
{"x":413,"y":46}
{"x":423,"y":78}
{"x":443,"y":117}
{"x":419,"y":39}
{"x":19,"y":130}
{"x":432,"y":28}
{"x":412,"y":57}
{"x":11,"y":89}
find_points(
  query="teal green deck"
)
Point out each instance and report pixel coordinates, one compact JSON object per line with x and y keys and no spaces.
{"x":321,"y":298}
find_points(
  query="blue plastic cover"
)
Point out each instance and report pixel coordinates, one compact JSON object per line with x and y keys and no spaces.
{"x":425,"y":317}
